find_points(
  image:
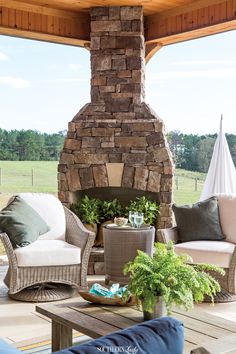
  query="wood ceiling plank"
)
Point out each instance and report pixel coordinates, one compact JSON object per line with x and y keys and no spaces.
{"x":212,"y":17}
{"x":150,"y":6}
{"x":45,"y":27}
{"x":26,"y":6}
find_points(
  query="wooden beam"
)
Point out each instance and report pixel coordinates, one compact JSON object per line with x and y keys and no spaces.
{"x":47,"y":24}
{"x":43,"y":10}
{"x":151,"y":49}
{"x":198,"y":19}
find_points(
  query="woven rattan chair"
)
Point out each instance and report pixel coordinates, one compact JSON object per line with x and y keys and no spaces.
{"x":23,"y":277}
{"x":228,"y":281}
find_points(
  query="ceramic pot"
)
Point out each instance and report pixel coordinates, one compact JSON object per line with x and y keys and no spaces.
{"x":159,"y":310}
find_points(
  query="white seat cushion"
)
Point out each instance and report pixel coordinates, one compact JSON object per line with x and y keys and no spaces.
{"x":47,"y":253}
{"x":52,"y":212}
{"x":227,"y":212}
{"x":213,"y":252}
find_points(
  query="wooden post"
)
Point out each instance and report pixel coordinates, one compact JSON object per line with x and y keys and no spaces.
{"x":196,"y":184}
{"x":177,"y":183}
{"x":0,"y":176}
{"x":32,"y":177}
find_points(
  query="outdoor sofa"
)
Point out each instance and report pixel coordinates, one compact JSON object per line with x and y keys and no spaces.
{"x":159,"y":336}
{"x":207,"y":248}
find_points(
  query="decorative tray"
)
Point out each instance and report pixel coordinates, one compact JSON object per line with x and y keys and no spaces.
{"x":127,"y":227}
{"x":102,"y":300}
{"x":114,"y":226}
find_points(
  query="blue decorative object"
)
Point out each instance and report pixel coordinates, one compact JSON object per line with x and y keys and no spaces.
{"x":160,"y":336}
{"x":115,"y":290}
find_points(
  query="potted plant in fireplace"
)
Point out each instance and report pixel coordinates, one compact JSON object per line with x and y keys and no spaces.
{"x":149,"y":208}
{"x":88,"y":210}
{"x":167,"y":279}
{"x":109,"y":209}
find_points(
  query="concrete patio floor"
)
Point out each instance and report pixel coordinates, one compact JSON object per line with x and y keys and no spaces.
{"x":20,"y":325}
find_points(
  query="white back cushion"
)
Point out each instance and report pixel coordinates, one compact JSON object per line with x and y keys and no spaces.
{"x":227,"y":213}
{"x":52,"y":212}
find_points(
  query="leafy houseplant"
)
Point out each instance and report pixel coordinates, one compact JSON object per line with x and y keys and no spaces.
{"x":87,"y":209}
{"x":109,"y":209}
{"x":148,"y":207}
{"x":171,"y":277}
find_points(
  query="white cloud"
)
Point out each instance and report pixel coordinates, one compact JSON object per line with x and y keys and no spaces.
{"x":211,"y":73}
{"x":15,"y":82}
{"x":205,"y":62}
{"x":3,"y":56}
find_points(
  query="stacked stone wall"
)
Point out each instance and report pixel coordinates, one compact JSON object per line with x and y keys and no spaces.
{"x":117,"y":126}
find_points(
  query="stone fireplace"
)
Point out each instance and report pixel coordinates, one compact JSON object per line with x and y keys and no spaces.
{"x":116,"y":144}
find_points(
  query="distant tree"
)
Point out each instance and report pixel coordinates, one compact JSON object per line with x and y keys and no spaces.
{"x":231,"y":138}
{"x":53,"y":146}
{"x":190,"y":142}
{"x":30,"y":145}
{"x":204,"y":153}
{"x":175,"y":139}
{"x":193,"y":152}
{"x":8,"y":145}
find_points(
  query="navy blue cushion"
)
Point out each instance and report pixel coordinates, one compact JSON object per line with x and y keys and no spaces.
{"x":159,"y":336}
{"x":6,"y":348}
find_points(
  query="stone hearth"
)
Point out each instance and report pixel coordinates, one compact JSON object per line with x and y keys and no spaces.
{"x":117,"y":140}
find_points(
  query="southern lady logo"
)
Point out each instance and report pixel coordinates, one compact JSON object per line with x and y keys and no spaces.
{"x":120,"y":349}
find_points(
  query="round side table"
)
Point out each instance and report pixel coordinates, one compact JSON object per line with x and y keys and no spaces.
{"x":121,"y":245}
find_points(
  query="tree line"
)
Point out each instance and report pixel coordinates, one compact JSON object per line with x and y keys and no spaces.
{"x":194,"y":152}
{"x":190,"y":152}
{"x":30,"y":145}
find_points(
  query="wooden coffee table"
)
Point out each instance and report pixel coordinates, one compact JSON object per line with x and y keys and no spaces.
{"x":201,"y":329}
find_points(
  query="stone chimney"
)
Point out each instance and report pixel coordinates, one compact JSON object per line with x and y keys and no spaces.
{"x":116,"y":145}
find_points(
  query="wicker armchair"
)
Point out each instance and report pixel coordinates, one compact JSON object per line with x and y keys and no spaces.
{"x":21,"y":277}
{"x":228,"y":281}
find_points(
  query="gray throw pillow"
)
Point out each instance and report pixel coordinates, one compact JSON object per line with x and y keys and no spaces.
{"x":199,"y":221}
{"x":22,"y":223}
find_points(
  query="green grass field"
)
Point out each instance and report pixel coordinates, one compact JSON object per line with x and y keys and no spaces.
{"x":188,"y":186}
{"x":16,"y":176}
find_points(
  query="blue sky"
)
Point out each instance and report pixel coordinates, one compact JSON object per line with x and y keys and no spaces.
{"x":189,"y":85}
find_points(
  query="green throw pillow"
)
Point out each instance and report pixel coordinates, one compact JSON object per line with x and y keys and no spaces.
{"x":22,"y":223}
{"x":199,"y":221}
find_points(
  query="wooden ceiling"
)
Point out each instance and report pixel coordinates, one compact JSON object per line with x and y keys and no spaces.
{"x":150,"y":6}
{"x":68,"y":21}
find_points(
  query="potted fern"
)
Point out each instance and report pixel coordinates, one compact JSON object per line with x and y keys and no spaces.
{"x":167,"y":279}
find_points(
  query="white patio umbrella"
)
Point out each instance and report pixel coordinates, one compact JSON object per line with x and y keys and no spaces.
{"x":221,"y":176}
